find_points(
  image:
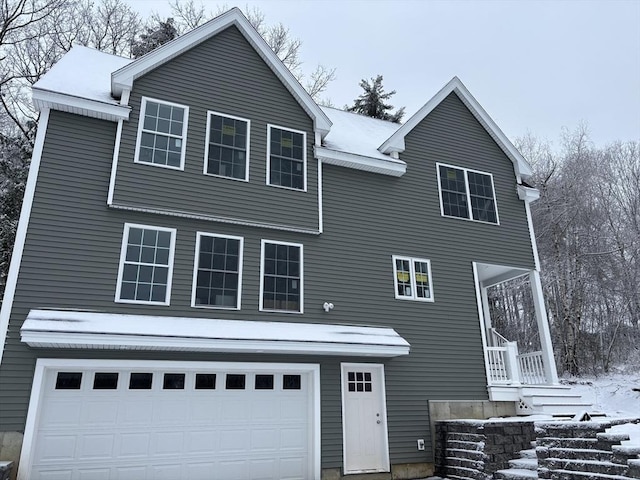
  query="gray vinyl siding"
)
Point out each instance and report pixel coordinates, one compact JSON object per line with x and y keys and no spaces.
{"x":73,"y":244}
{"x":225,"y":75}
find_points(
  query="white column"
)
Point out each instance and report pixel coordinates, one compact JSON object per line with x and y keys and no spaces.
{"x":487,"y":315}
{"x":550,"y":371}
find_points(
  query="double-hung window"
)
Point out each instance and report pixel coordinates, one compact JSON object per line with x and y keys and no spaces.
{"x":286,"y":158}
{"x":162,"y":133}
{"x":146,"y":264}
{"x":467,"y":194}
{"x":227,"y":148}
{"x":412,"y":278}
{"x":217,"y":277}
{"x":281,"y":277}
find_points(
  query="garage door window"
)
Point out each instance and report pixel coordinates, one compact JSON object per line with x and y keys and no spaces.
{"x":205,"y":381}
{"x":173,"y":381}
{"x":291,"y":382}
{"x":140,"y":381}
{"x":264,"y":382}
{"x":235,"y":382}
{"x":68,"y":381}
{"x":105,"y":381}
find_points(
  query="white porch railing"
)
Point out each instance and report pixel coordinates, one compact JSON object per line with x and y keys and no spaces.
{"x":496,"y":339}
{"x":532,"y":368}
{"x":498,"y":365}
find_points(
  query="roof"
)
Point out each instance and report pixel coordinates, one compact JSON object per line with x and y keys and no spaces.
{"x":85,"y":329}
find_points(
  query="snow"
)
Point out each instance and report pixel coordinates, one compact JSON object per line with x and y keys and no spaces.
{"x":358,"y":134}
{"x":612,"y":393}
{"x":83,"y":72}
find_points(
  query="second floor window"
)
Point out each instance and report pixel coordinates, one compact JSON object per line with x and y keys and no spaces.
{"x":286,"y":158}
{"x":218,"y":271}
{"x":162,"y":133}
{"x":146,"y":264}
{"x":227,"y":151}
{"x":281,"y":277}
{"x":412,"y":278}
{"x":467,"y":194}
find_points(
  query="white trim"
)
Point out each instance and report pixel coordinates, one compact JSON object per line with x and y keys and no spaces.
{"x":44,"y":99}
{"x":532,"y":236}
{"x":113,"y":331}
{"x":391,"y":167}
{"x":114,"y":163}
{"x":304,"y":157}
{"x":383,"y":393}
{"x":396,"y":141}
{"x":483,"y":333}
{"x":210,"y":113}
{"x":320,"y":217}
{"x":45,"y":364}
{"x":21,"y":231}
{"x":468,"y":193}
{"x":196,"y":264}
{"x":412,"y":275}
{"x":123,"y":255}
{"x":291,"y":244}
{"x":214,"y":218}
{"x":183,"y":137}
{"x":125,"y":76}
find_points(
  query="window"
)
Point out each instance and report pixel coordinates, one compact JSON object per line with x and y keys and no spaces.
{"x":140,"y":381}
{"x":286,"y":158}
{"x":218,"y":271}
{"x":68,"y":380}
{"x":467,"y":194}
{"x":146,"y":264}
{"x":227,"y":148}
{"x":105,"y":381}
{"x":281,"y":277}
{"x":412,"y":278}
{"x":162,"y":133}
{"x":235,"y":381}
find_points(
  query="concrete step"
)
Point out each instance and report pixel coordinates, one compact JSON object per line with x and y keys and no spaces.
{"x":515,"y":474}
{"x":570,"y":475}
{"x":531,"y":453}
{"x":564,"y":409}
{"x":580,"y":454}
{"x":593,"y":467}
{"x":524,"y":463}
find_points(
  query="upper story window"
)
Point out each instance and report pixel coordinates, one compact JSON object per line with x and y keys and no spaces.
{"x":281,"y":277}
{"x":162,"y":133}
{"x":412,"y":278}
{"x":286,"y":158}
{"x":217,"y":278}
{"x":467,"y":194}
{"x":146,"y":264}
{"x":227,"y":149}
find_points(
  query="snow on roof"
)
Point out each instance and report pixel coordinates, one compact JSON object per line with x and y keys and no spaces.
{"x":83,"y":72}
{"x":85,"y":329}
{"x":358,"y":134}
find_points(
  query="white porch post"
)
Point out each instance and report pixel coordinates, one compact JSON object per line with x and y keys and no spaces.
{"x":550,"y":371}
{"x":487,"y":314}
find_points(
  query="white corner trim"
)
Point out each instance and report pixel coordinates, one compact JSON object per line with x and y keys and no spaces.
{"x":483,"y":334}
{"x":33,"y":418}
{"x":391,"y":167}
{"x":213,"y":218}
{"x":395,"y":143}
{"x":532,"y":236}
{"x":43,"y":99}
{"x":21,"y":232}
{"x":320,"y":213}
{"x":114,"y":162}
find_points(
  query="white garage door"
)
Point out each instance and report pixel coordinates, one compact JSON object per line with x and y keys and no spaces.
{"x":213,"y":421}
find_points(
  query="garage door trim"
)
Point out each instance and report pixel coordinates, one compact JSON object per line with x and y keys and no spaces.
{"x":45,"y":364}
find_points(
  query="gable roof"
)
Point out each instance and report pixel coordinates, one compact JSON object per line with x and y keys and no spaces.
{"x":395,"y":143}
{"x":123,"y":78}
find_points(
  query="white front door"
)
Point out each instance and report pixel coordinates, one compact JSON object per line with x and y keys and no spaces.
{"x":364,"y":418}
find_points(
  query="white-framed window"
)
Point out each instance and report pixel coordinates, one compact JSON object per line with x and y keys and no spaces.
{"x":217,"y":274}
{"x":146,"y":264}
{"x":467,"y":194}
{"x":227,"y":146}
{"x":286,"y":158}
{"x":162,"y":133}
{"x":281,"y":277}
{"x":412,"y":278}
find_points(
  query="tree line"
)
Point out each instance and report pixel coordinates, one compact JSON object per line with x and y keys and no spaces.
{"x":587,"y":220}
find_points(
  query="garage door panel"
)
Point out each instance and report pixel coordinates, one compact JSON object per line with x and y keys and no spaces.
{"x":99,"y":413}
{"x":133,"y":445}
{"x":94,"y":474}
{"x":96,"y":446}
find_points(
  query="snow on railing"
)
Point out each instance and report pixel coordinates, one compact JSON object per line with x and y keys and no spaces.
{"x":532,"y":368}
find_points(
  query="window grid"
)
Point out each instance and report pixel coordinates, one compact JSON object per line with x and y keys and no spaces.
{"x":412,"y":279}
{"x":359,"y":381}
{"x":281,"y":277}
{"x":218,"y":272}
{"x":146,"y":262}
{"x":287,"y":158}
{"x":467,"y":194}
{"x":162,"y":131}
{"x":227,"y":146}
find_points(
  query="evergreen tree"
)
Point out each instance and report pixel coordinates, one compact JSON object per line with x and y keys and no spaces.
{"x":372,"y":102}
{"x":163,"y":33}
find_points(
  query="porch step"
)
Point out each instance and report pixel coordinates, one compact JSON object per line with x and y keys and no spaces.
{"x":524,"y":463}
{"x":556,"y":400}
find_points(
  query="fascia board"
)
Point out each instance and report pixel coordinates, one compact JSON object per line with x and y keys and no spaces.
{"x":124,"y":77}
{"x":396,"y":141}
{"x":82,"y":106}
{"x":392,"y":167}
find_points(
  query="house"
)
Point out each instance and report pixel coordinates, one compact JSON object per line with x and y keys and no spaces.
{"x":214,"y":277}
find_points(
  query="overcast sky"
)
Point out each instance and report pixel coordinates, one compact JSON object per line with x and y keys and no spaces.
{"x":535,"y":66}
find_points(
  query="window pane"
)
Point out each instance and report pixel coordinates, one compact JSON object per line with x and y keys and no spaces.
{"x":291,"y":382}
{"x":287,"y":159}
{"x":235,"y":382}
{"x":281,"y":278}
{"x":205,"y":381}
{"x":140,"y":381}
{"x":68,"y":380}
{"x":264,"y":382}
{"x":227,"y":147}
{"x":105,"y":381}
{"x":403,"y":278}
{"x":217,"y":281}
{"x":173,"y":381}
